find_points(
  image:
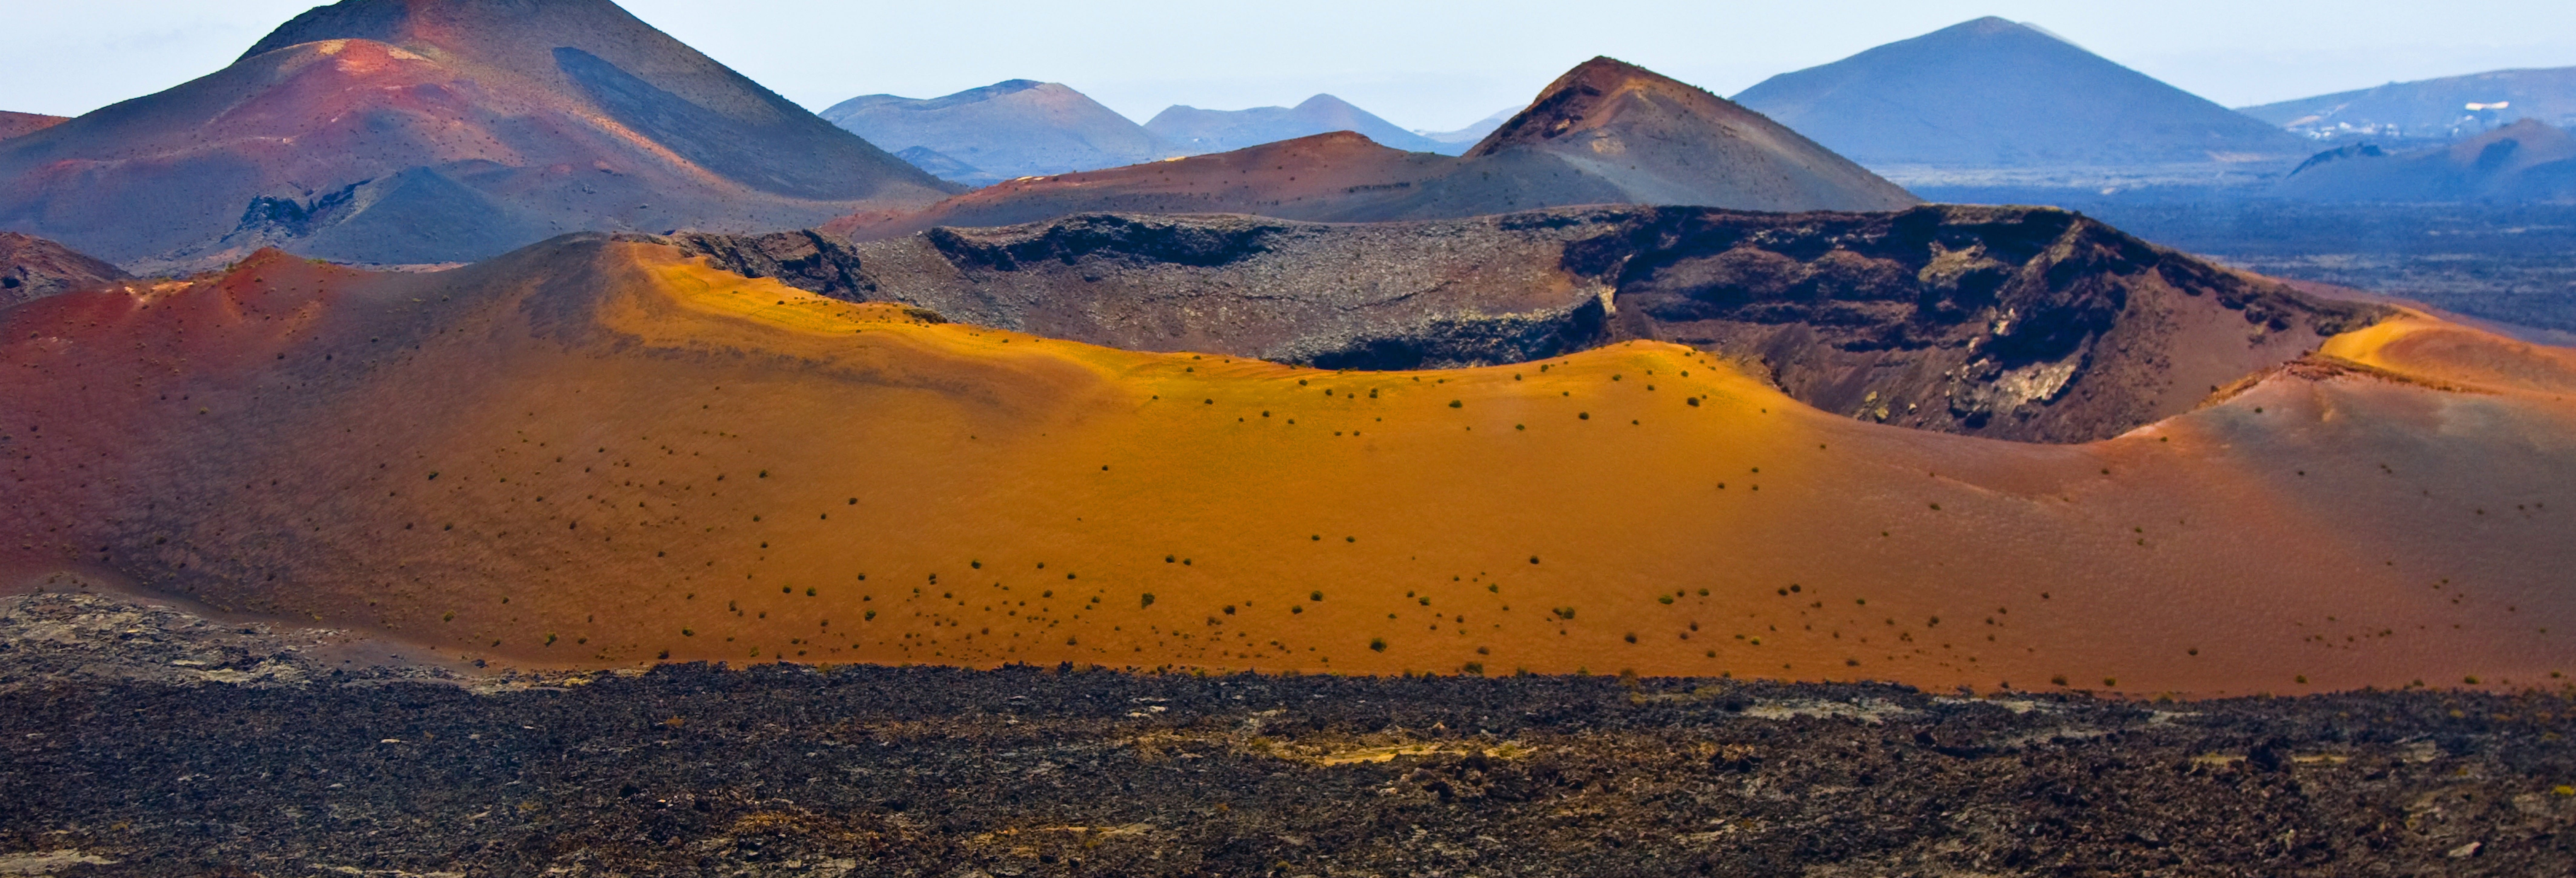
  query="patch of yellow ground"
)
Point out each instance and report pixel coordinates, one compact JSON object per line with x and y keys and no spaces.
{"x":636,"y":458}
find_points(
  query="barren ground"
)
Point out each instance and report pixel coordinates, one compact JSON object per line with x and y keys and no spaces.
{"x":150,"y":741}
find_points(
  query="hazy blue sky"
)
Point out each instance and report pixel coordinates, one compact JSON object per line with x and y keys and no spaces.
{"x":1420,"y":64}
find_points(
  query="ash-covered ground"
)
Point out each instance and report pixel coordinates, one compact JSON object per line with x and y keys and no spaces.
{"x":149,"y":741}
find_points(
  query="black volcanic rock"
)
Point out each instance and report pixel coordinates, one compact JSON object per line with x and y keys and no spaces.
{"x":474,"y":126}
{"x":1992,"y":93}
{"x":805,"y":260}
{"x":1019,"y":128}
{"x":129,"y":728}
{"x":32,"y":268}
{"x":2030,"y":324}
{"x":1195,"y":131}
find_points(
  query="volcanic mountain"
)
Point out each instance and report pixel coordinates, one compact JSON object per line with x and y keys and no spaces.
{"x":1019,"y":128}
{"x":15,"y":124}
{"x":1605,"y":133}
{"x":1992,"y":93}
{"x":32,"y":268}
{"x":2029,"y":324}
{"x":1196,"y":131}
{"x":413,"y":131}
{"x":2431,"y":107}
{"x":598,"y":452}
{"x":2524,"y":161}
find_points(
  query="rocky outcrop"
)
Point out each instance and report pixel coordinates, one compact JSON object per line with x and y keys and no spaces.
{"x":32,"y":268}
{"x":2029,"y":324}
{"x":804,"y":260}
{"x":2016,"y":323}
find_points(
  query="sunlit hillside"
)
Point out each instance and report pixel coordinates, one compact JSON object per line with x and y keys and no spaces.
{"x":597,"y":453}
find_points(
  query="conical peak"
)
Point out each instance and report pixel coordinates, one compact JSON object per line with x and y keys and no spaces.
{"x":1604,"y":72}
{"x":450,"y":24}
{"x":1567,"y":104}
{"x":995,"y":91}
{"x":1992,"y":28}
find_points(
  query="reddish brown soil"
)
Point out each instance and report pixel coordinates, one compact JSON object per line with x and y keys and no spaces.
{"x":32,"y":268}
{"x":16,"y":124}
{"x":595,"y":453}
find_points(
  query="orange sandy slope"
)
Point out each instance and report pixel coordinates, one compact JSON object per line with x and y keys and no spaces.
{"x":598,"y":454}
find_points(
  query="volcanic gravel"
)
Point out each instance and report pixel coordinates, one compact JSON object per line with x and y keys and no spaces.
{"x":315,"y":768}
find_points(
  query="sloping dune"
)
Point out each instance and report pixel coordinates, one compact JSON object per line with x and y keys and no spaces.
{"x":598,"y":453}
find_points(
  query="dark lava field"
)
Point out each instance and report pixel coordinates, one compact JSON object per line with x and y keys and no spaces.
{"x":143,"y":741}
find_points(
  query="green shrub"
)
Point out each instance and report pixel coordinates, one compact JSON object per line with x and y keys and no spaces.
{"x":1146,"y":600}
{"x":1377,"y":644}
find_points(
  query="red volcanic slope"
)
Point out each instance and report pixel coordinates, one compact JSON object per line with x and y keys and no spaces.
{"x":598,"y":453}
{"x":1605,"y":133}
{"x":15,"y":124}
{"x":32,"y":268}
{"x":400,"y":131}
